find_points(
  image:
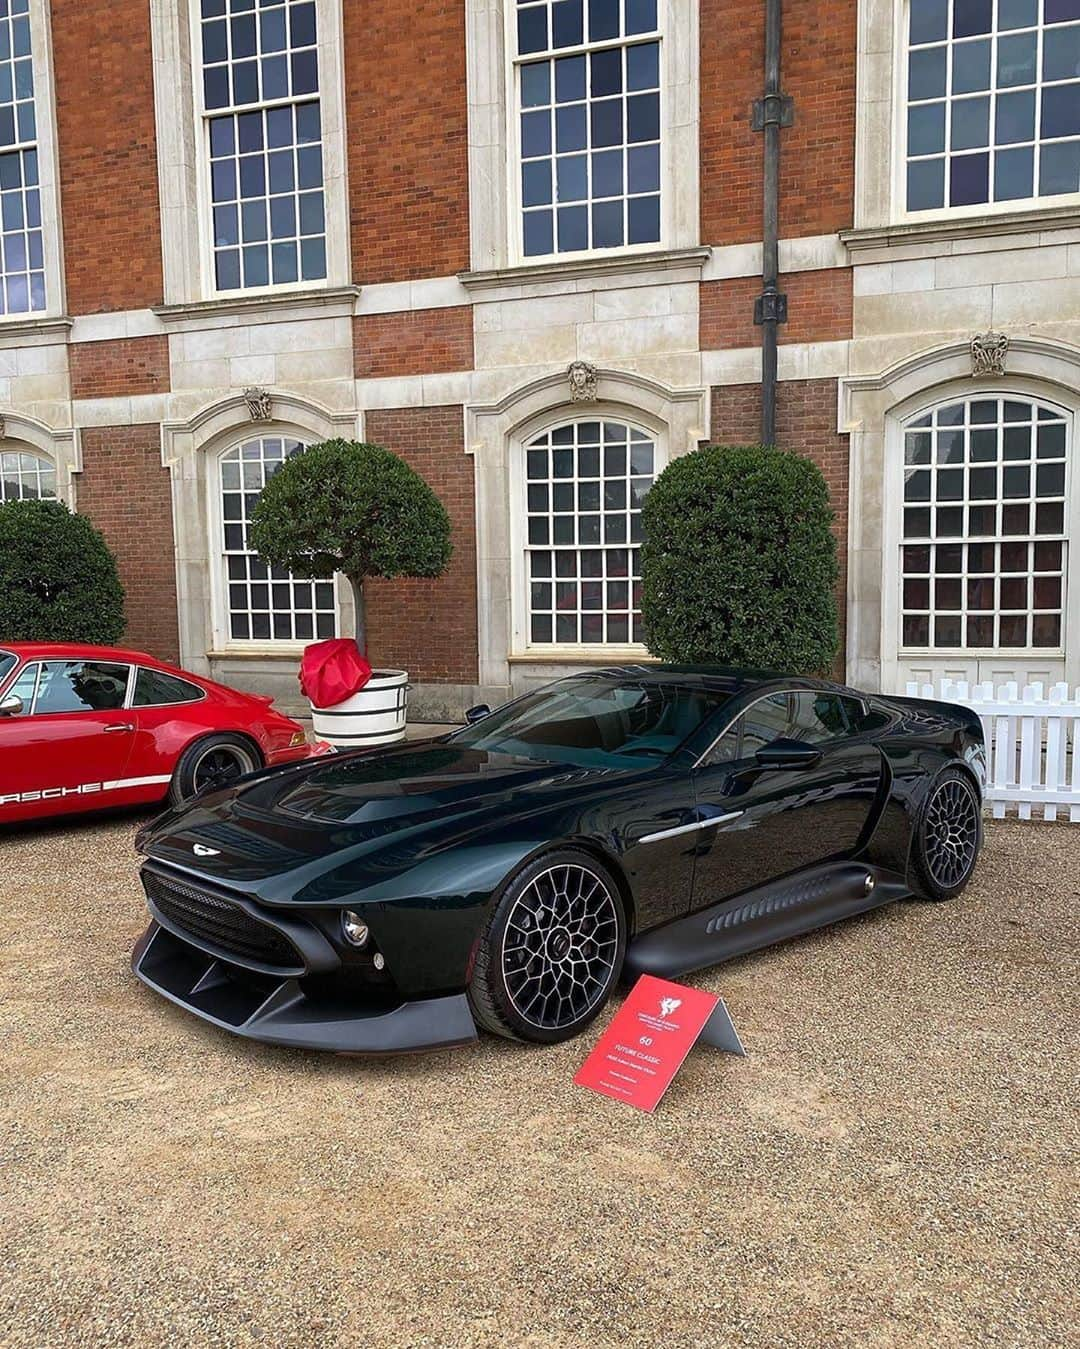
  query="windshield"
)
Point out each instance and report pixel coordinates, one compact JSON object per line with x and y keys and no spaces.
{"x":596,"y":723}
{"x":7,"y":664}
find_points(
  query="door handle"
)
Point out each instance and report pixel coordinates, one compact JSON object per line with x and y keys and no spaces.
{"x":119,"y":726}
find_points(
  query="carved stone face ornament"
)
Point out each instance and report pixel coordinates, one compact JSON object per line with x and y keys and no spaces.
{"x":583,"y":379}
{"x":259,"y":405}
{"x":988,"y":352}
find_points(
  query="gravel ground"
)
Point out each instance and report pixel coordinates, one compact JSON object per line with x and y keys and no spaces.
{"x":894,"y":1164}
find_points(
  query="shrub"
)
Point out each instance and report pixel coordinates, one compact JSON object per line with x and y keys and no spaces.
{"x":739,"y":562}
{"x":356,"y":509}
{"x":58,"y":580}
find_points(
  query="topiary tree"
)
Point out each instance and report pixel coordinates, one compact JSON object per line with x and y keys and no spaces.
{"x":356,"y":509}
{"x":739,"y":561}
{"x":58,"y":580}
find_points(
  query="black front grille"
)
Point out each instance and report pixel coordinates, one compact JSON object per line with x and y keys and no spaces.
{"x":217,"y":921}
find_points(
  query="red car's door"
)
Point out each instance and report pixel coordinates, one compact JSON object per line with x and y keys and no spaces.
{"x":169,"y":714}
{"x":68,"y":748}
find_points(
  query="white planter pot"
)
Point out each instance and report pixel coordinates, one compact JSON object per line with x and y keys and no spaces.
{"x":374,"y":716}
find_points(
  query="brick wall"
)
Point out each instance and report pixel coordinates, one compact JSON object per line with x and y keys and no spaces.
{"x":108,"y":162}
{"x":408,"y":136}
{"x":420,"y":342}
{"x":816,"y":153}
{"x":819,"y":309}
{"x":805,"y":423}
{"x":119,"y":369}
{"x":125,"y":491}
{"x":429,"y":627}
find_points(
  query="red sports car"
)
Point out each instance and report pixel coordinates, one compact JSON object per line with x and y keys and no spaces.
{"x":84,"y":727}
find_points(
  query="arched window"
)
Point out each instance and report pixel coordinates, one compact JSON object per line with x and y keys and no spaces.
{"x":264,"y":603}
{"x":984,"y":551}
{"x":585,"y":485}
{"x":25,"y":477}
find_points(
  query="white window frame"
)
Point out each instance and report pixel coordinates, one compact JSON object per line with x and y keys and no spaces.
{"x":897,"y":211}
{"x":223,"y":640}
{"x":48,"y":169}
{"x":513,"y":121}
{"x":495,"y":164}
{"x":1027,"y":390}
{"x":184,"y":156}
{"x":521,"y":643}
{"x":31,"y":452}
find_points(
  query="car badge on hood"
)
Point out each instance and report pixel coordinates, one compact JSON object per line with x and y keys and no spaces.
{"x":201,"y":850}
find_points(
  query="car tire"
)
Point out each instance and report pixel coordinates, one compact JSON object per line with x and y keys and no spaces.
{"x":552,"y":951}
{"x":948,"y":837}
{"x":210,"y":763}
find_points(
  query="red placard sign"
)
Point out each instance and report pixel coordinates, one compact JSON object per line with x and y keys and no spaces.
{"x":645,"y":1044}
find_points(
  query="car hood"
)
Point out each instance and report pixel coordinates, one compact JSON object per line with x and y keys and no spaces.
{"x":365,"y":806}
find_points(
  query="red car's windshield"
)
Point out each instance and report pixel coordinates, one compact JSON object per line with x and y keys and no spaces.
{"x":7,"y":664}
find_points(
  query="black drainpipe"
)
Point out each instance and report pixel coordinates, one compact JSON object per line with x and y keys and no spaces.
{"x":773,"y":111}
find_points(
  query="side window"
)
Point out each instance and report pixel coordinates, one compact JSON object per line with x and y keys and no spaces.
{"x":154,"y":688}
{"x":767,"y":720}
{"x":819,"y":717}
{"x":726,"y":749}
{"x":81,"y":686}
{"x":24,"y":686}
{"x":864,"y":718}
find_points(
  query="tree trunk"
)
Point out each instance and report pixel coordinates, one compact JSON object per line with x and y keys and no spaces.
{"x":360,"y":610}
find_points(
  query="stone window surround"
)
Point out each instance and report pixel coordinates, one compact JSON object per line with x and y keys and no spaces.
{"x":183,"y":158}
{"x":190,"y":450}
{"x":48,"y":169}
{"x":492,"y":193}
{"x":59,"y":445}
{"x":880,"y":136}
{"x":495,"y":436}
{"x":873,"y":411}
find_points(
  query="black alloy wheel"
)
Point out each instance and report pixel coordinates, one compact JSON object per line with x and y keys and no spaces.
{"x":950,"y":835}
{"x":553,"y":951}
{"x":219,"y":766}
{"x":212,"y":763}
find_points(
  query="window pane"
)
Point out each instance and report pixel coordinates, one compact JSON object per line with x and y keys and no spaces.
{"x":955,"y":592}
{"x":291,"y":609}
{"x":22,"y":276}
{"x":264,"y":157}
{"x":155,"y":688}
{"x":586,"y":484}
{"x":603,"y":142}
{"x":26,"y":477}
{"x":81,"y":686}
{"x":993,"y":58}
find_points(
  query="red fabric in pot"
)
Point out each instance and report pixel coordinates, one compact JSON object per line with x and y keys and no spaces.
{"x":332,"y":671}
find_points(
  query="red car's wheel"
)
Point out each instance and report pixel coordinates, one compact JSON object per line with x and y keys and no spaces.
{"x":212,"y":763}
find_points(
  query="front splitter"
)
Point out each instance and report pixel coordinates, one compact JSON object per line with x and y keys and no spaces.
{"x":283,"y":1014}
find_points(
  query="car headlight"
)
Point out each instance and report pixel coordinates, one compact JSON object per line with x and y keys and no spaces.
{"x":354,"y":928}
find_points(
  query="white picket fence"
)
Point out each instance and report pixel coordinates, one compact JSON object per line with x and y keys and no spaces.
{"x":1032,"y":743}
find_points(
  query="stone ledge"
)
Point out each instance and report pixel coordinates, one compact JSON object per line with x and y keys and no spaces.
{"x":619,"y":656}
{"x":630,"y":265}
{"x":35,"y":332}
{"x":273,"y":307}
{"x":1036,"y":221}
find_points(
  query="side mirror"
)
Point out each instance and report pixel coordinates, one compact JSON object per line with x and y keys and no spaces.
{"x":12,"y":706}
{"x":788,"y":754}
{"x":477,"y":713}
